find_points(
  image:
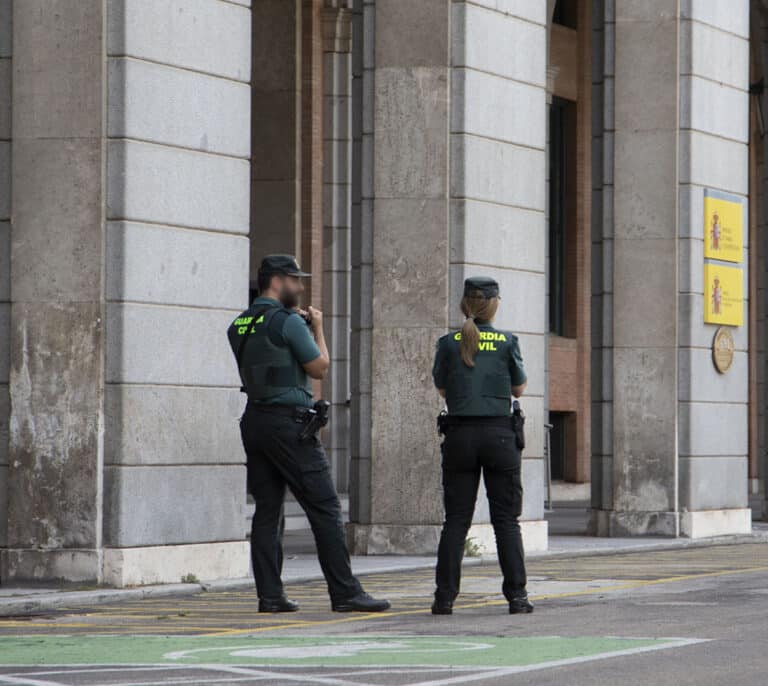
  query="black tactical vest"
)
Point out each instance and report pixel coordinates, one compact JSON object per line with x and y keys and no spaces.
{"x":267,"y":366}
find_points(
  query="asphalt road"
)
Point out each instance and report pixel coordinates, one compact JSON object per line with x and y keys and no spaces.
{"x":691,"y":616}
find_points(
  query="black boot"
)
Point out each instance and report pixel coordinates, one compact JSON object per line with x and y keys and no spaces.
{"x":442,"y":607}
{"x":361,"y":602}
{"x":520,"y":605}
{"x":281,"y":604}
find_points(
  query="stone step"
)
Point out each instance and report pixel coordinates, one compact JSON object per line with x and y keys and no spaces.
{"x":295,"y":519}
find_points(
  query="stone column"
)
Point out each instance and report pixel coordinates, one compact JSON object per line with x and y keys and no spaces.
{"x":58,"y":309}
{"x":176,"y":275}
{"x":402,"y":273}
{"x":677,"y":459}
{"x":6,"y":34}
{"x":714,"y":154}
{"x":498,"y":202}
{"x":337,"y":144}
{"x":602,"y":254}
{"x":129,"y":257}
{"x":645,"y":365}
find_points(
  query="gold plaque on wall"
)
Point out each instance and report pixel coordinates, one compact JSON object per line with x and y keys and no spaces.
{"x":722,"y":350}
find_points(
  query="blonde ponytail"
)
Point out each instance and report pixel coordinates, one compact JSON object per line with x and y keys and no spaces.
{"x":474,"y":306}
{"x":470,"y":337}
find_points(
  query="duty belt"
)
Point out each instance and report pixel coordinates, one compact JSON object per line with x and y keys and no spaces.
{"x":299,"y":413}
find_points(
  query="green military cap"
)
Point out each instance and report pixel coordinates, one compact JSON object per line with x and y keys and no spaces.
{"x":281,"y":264}
{"x":486,"y":285}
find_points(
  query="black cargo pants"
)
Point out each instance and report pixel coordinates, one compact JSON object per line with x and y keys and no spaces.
{"x":470,"y":447}
{"x":276,"y":459}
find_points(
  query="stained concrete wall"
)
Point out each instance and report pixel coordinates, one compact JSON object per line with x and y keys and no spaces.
{"x":6,"y":43}
{"x":644,"y":321}
{"x":57,"y":313}
{"x":498,"y":198}
{"x":714,"y":135}
{"x":176,"y":272}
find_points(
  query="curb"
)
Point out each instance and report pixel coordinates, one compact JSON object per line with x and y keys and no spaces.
{"x":16,"y":606}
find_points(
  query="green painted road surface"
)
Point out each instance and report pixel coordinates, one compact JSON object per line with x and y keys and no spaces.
{"x":338,"y":651}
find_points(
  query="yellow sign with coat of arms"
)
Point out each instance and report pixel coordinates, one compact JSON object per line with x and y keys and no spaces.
{"x":723,"y":227}
{"x":723,"y":295}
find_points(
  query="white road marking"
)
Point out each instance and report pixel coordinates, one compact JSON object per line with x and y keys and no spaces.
{"x":337,"y":648}
{"x":23,"y":681}
{"x":301,"y":678}
{"x":507,"y":671}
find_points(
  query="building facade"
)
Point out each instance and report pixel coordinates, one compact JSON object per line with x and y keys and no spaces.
{"x":602,"y":159}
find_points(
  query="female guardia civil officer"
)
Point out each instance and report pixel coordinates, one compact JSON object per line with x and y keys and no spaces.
{"x":477,"y":370}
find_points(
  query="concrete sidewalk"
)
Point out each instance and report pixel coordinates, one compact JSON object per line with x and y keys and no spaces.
{"x":302,"y":567}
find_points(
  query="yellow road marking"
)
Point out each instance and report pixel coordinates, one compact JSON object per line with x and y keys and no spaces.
{"x":177,"y":623}
{"x":489,"y":603}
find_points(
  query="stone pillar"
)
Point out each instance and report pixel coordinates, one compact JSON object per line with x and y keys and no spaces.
{"x":58,"y":303}
{"x":176,"y":275}
{"x":452,"y":161}
{"x":312,"y":148}
{"x":337,"y":154}
{"x":498,"y":203}
{"x":759,"y":208}
{"x":602,"y":254}
{"x":129,"y":257}
{"x":713,"y":408}
{"x":674,"y":443}
{"x":644,"y":468}
{"x":401,"y":269}
{"x":6,"y":33}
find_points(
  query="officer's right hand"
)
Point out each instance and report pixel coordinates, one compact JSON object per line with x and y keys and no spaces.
{"x":315,"y":318}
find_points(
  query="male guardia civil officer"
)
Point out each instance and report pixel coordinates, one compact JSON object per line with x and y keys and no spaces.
{"x":278,"y":347}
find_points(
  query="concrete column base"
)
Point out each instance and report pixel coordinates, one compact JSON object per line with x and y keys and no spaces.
{"x":606,"y":523}
{"x":423,"y":539}
{"x":698,"y":524}
{"x":393,"y":539}
{"x":707,"y":523}
{"x":535,"y":536}
{"x":169,"y":563}
{"x":69,"y":564}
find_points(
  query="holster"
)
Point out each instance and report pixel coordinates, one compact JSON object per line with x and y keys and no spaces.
{"x":518,"y":425}
{"x":319,"y":414}
{"x":442,"y":422}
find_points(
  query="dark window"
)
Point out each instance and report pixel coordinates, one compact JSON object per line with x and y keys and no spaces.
{"x":565,"y":13}
{"x":562,"y":445}
{"x":557,"y":214}
{"x":557,"y":444}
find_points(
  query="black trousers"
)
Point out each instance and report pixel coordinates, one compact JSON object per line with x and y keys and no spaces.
{"x":276,"y":459}
{"x":469,"y":449}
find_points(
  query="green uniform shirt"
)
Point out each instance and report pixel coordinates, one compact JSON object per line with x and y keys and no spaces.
{"x":484,"y":390}
{"x":296,"y":335}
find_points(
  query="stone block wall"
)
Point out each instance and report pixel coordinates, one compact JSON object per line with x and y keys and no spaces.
{"x":177,"y":206}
